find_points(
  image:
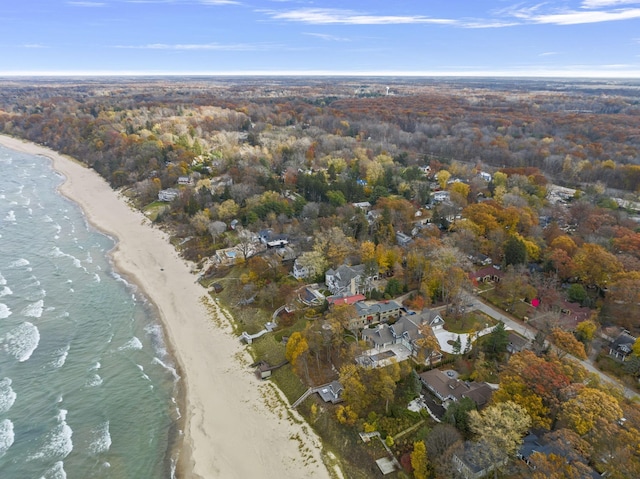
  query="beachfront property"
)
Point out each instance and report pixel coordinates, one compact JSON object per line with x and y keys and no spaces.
{"x":168,"y":195}
{"x":400,"y":341}
{"x":349,"y":279}
{"x":449,"y":389}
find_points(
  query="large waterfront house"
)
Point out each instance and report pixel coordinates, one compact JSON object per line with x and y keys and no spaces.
{"x":349,"y":279}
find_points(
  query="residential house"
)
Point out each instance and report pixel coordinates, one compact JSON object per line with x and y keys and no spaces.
{"x":362,"y":205}
{"x":450,"y":389}
{"x":532,"y":444}
{"x":349,"y":279}
{"x":404,"y":332}
{"x":184,"y":180}
{"x":346,"y":299}
{"x":168,"y":195}
{"x":403,"y":239}
{"x":332,"y":392}
{"x":517,"y":343}
{"x":301,"y":272}
{"x":621,"y":347}
{"x":474,"y":462}
{"x":441,"y":196}
{"x":373,"y":313}
{"x":481,"y":259}
{"x":489,"y":274}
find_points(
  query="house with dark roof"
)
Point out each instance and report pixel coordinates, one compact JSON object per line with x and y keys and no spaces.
{"x":349,"y":279}
{"x":517,"y":343}
{"x":621,"y":347}
{"x":489,"y":274}
{"x":449,"y":389}
{"x":532,"y":444}
{"x":374,"y":313}
{"x":332,"y":392}
{"x":473,"y":461}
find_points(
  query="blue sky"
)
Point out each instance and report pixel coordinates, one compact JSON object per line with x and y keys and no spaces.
{"x":395,"y":37}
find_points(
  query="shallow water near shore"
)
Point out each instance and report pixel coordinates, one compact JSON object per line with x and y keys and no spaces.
{"x":87,"y":386}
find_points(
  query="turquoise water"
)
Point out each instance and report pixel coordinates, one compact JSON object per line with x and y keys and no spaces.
{"x":87,"y":387}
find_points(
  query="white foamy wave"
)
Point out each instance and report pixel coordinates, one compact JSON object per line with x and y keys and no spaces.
{"x":89,"y":258}
{"x":21,"y":341}
{"x":11,"y":217}
{"x":7,"y":395}
{"x":96,"y":366}
{"x":6,"y":291}
{"x":47,"y":219}
{"x":168,"y":367}
{"x":34,"y":310}
{"x":156,"y":334}
{"x":96,"y":278}
{"x":101,"y":440}
{"x":94,"y":381}
{"x":133,"y":343}
{"x":5,"y":312}
{"x":19,"y":263}
{"x":59,"y":443}
{"x":3,"y":281}
{"x":56,"y":472}
{"x":60,"y":357}
{"x":58,"y":253}
{"x":6,"y":436}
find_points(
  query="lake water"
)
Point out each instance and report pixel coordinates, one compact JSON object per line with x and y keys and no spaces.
{"x":87,"y":387}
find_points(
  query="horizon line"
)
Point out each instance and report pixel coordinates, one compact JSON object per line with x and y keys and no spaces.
{"x":628,"y":75}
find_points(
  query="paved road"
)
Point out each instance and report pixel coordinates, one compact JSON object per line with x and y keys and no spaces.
{"x":530,"y":333}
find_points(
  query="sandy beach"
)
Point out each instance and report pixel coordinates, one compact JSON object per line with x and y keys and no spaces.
{"x":236,"y":426}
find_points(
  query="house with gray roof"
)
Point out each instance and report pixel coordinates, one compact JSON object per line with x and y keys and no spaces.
{"x":373,"y":313}
{"x":450,"y":389}
{"x":622,"y":346}
{"x":349,"y":279}
{"x":405,"y":332}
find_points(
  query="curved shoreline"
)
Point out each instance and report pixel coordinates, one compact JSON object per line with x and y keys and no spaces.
{"x":229,"y":431}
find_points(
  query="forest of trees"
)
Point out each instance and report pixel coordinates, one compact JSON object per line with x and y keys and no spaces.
{"x":293,"y":156}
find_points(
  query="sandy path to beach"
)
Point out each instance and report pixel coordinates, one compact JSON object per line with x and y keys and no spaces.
{"x":236,"y":426}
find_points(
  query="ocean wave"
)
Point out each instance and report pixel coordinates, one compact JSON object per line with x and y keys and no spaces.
{"x":56,"y":252}
{"x":94,"y":381}
{"x":56,"y":472}
{"x":156,"y":334}
{"x":59,"y":443}
{"x":96,"y":278}
{"x":133,"y":343}
{"x":47,"y":219}
{"x":34,"y":310}
{"x":19,"y":263}
{"x":6,"y":291}
{"x":5,"y":312}
{"x":11,"y":217}
{"x":21,"y":341}
{"x":101,"y":439}
{"x":3,"y":281}
{"x":6,"y":436}
{"x":7,"y":395}
{"x":60,"y":357}
{"x":168,"y":367}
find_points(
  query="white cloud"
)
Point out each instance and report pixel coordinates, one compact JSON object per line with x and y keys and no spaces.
{"x":607,"y":3}
{"x":219,"y":2}
{"x":575,"y":18}
{"x":548,"y":54}
{"x":327,"y":16}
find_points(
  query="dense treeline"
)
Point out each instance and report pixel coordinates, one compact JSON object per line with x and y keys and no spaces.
{"x":416,"y":180}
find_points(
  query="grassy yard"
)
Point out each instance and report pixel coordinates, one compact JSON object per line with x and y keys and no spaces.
{"x":472,"y":321}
